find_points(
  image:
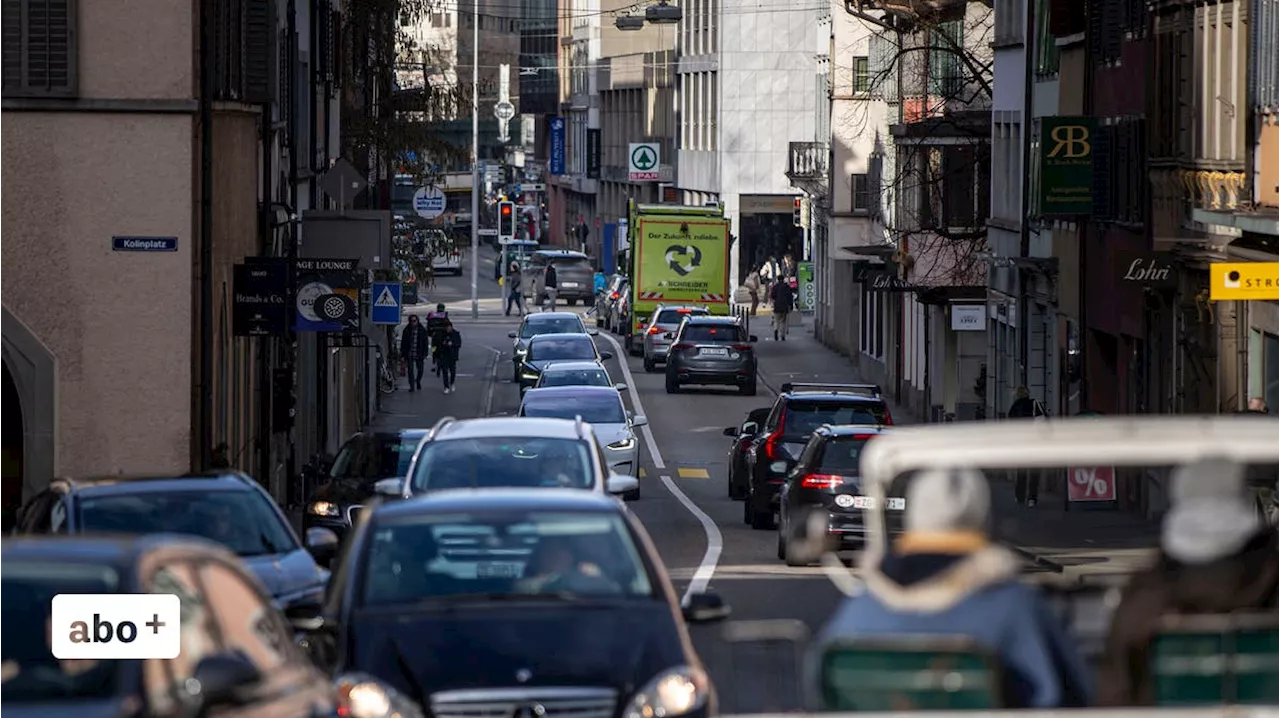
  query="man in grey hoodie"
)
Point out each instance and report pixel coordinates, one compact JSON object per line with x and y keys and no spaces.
{"x":944,"y":577}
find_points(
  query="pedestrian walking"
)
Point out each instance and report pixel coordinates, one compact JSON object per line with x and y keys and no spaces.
{"x":784,"y":300}
{"x":753,"y":288}
{"x":515,"y":289}
{"x":435,"y":325}
{"x":551,"y":287}
{"x":1026,"y":483}
{"x":414,"y":345}
{"x":450,"y":344}
{"x":767,"y":276}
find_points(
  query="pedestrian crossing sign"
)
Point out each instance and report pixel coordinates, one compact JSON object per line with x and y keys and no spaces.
{"x":386,"y":303}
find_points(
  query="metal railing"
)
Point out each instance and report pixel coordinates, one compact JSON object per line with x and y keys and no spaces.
{"x":807,"y":160}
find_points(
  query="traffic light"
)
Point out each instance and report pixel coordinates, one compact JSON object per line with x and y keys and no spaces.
{"x":798,"y":216}
{"x":506,"y":221}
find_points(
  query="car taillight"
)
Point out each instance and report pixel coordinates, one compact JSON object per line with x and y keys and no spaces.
{"x":681,"y":345}
{"x":771,"y":446}
{"x":613,"y":295}
{"x":654,"y":330}
{"x":821,"y":481}
{"x":741,"y":347}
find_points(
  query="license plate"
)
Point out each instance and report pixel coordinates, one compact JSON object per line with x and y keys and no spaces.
{"x":498,"y":570}
{"x":570,"y":285}
{"x":716,"y":352}
{"x":866,"y":502}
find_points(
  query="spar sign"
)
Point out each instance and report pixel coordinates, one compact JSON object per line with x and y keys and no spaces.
{"x":1091,"y":483}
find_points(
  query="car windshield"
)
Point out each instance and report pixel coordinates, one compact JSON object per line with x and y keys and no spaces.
{"x":503,"y":462}
{"x":594,"y":408}
{"x":675,"y":316}
{"x":572,"y":264}
{"x":30,"y":672}
{"x":558,"y":325}
{"x":712,"y":333}
{"x":567,"y":348}
{"x":575,"y":377}
{"x":805,"y":416}
{"x":503,"y":554}
{"x":370,"y":458}
{"x":840,"y":455}
{"x":243,"y":521}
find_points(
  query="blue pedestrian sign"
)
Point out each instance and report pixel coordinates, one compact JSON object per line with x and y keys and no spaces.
{"x":386,"y":302}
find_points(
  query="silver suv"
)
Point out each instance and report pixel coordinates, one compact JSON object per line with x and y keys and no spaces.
{"x":661,"y":332}
{"x":502,"y":452}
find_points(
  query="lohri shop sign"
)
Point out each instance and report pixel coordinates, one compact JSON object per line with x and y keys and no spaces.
{"x":1066,"y":166}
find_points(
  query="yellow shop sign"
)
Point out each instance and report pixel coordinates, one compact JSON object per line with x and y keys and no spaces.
{"x":1244,"y":281}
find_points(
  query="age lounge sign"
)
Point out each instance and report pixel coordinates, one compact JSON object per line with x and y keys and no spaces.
{"x":1154,"y":270}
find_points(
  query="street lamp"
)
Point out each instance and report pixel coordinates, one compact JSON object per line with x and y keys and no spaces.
{"x":660,"y":14}
{"x":475,"y":159}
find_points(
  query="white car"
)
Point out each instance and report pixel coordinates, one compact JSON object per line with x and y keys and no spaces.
{"x":508,"y":452}
{"x":601,"y":407}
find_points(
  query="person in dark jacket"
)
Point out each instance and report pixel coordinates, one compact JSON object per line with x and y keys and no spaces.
{"x":551,"y":287}
{"x":944,"y":577}
{"x":449,"y":344}
{"x":414,"y":345}
{"x":435,"y":325}
{"x":1216,"y":557}
{"x":1026,"y":486}
{"x":515,"y":289}
{"x":784,"y":300}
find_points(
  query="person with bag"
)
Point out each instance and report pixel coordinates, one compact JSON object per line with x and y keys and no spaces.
{"x":784,"y":300}
{"x":450,"y":345}
{"x":753,"y":289}
{"x":414,"y":344}
{"x":1026,"y":486}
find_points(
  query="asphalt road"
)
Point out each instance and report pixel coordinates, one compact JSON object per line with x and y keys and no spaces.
{"x":684,"y":502}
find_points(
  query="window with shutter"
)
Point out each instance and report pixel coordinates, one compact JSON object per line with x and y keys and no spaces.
{"x":40,"y":58}
{"x":259,"y":50}
{"x":861,"y":193}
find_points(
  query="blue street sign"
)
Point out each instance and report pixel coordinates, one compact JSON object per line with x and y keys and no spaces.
{"x":516,"y":189}
{"x":557,"y":146}
{"x":386,"y":302}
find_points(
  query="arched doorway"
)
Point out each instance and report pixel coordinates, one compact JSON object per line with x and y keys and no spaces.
{"x":12,"y":433}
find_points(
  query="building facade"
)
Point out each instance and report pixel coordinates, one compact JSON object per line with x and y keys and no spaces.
{"x":573,"y":194}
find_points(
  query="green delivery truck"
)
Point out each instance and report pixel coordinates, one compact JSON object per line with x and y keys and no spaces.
{"x":679,"y":255}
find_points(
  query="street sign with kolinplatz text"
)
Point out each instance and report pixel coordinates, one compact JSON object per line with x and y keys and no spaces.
{"x":1066,"y":166}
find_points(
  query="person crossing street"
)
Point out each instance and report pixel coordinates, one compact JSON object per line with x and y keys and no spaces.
{"x":551,"y":286}
{"x":515,"y":289}
{"x":435,"y":326}
{"x":448,"y":346}
{"x":414,"y":345}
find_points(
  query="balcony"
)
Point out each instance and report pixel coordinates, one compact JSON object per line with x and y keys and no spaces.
{"x":807,"y":165}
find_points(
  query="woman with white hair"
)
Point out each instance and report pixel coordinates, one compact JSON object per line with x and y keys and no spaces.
{"x":945,"y":577}
{"x":1216,"y":557}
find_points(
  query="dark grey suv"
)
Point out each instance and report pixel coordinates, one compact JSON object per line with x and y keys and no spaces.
{"x":712,"y":350}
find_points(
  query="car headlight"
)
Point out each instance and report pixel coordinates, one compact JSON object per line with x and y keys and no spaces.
{"x":626,"y":443}
{"x":323,"y":508}
{"x":528,"y":374}
{"x":674,"y":692}
{"x":521,"y":351}
{"x":362,"y":696}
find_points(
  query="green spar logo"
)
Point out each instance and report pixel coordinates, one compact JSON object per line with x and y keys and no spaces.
{"x":643,"y":159}
{"x":683,"y":260}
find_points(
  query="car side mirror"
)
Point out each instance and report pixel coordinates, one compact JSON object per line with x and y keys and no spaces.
{"x":511,"y":335}
{"x":753,"y":339}
{"x":620,"y":387}
{"x":620,"y":485}
{"x":750,"y":428}
{"x":639,"y":420}
{"x":223,"y":679}
{"x":704,"y":607}
{"x":731,"y":432}
{"x":392,"y":488}
{"x":322,"y":544}
{"x":606,"y":355}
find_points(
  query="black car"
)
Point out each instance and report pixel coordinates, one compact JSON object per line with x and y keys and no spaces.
{"x":712,"y":350}
{"x":797,"y":412}
{"x":487,"y":602}
{"x":547,"y":348}
{"x":825,"y":480}
{"x":542,"y":323}
{"x":352,"y":478}
{"x":742,"y":437}
{"x":238,"y":656}
{"x":228,"y":508}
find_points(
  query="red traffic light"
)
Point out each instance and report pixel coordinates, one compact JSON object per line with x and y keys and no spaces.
{"x":797,"y":203}
{"x":506,"y":210}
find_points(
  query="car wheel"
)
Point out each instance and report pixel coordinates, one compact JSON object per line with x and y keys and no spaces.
{"x":571,"y":301}
{"x":515,"y":376}
{"x":782,"y":547}
{"x":746,"y":509}
{"x":748,"y":389}
{"x":649,"y":365}
{"x":760,"y":520}
{"x":673,"y":386}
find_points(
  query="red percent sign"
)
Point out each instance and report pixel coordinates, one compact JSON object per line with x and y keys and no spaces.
{"x":1091,"y":483}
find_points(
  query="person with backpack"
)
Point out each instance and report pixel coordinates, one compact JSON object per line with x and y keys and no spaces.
{"x":449,"y":346}
{"x":784,"y":300}
{"x":515,"y":289}
{"x":549,"y":284}
{"x":435,"y":327}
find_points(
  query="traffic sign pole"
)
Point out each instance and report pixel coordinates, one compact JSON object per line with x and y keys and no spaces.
{"x":475,"y":161}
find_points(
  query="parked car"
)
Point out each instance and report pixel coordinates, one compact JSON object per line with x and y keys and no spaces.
{"x":546,"y":349}
{"x":485,"y":602}
{"x":502,"y":452}
{"x":712,"y":350}
{"x":742,"y":436}
{"x":238,"y":655}
{"x":352,"y":476}
{"x":661,"y":332}
{"x":601,"y":407}
{"x":542,"y":323}
{"x":826,"y":480}
{"x":575,"y":278}
{"x":226,"y":507}
{"x":796,"y":413}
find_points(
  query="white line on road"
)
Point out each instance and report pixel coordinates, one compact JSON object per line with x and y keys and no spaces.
{"x":715,"y":541}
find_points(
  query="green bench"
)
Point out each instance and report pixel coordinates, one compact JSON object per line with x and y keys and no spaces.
{"x":909,"y":673}
{"x":1216,"y":660}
